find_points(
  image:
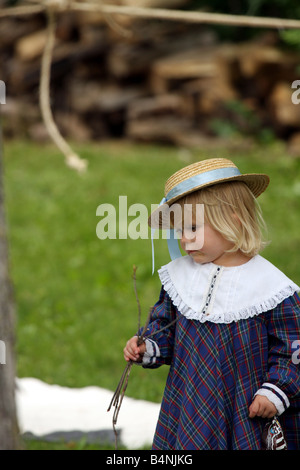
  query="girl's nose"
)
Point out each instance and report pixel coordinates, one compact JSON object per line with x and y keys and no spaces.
{"x":187,"y":238}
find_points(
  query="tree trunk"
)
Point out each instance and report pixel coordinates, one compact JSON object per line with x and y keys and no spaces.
{"x":9,"y":433}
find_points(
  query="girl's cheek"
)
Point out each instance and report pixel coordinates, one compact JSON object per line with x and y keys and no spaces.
{"x":182,"y":244}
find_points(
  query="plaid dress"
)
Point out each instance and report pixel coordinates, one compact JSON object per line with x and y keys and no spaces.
{"x":215,"y":370}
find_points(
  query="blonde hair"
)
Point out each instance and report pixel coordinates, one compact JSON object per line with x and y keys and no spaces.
{"x":232,"y":210}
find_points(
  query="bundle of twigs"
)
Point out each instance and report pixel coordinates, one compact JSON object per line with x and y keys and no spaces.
{"x":118,"y":396}
{"x":119,"y":393}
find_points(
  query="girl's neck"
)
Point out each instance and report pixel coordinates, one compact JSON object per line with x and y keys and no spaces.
{"x":232,"y":259}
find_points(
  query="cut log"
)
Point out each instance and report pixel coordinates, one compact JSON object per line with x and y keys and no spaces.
{"x":129,"y":60}
{"x":194,"y":64}
{"x":283,"y":110}
{"x":25,"y":75}
{"x":13,"y":29}
{"x":71,"y":125}
{"x":105,"y":97}
{"x":294,"y":145}
{"x":160,"y":105}
{"x":252,"y":57}
{"x":32,"y":46}
{"x":209,"y":93}
{"x":159,"y":129}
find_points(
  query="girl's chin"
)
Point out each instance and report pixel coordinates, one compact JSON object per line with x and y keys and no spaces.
{"x":196,"y":255}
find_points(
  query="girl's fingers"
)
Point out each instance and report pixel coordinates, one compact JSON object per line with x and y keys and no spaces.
{"x":131,"y":350}
{"x":262,"y":407}
{"x":253,"y":410}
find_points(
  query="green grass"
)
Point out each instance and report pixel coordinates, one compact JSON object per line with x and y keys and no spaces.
{"x":75,"y":302}
{"x":36,"y":444}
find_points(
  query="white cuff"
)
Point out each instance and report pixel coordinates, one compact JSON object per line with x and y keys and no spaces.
{"x":151,"y":353}
{"x":275,"y":395}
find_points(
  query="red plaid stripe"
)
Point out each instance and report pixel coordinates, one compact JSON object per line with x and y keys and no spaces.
{"x":215,"y":370}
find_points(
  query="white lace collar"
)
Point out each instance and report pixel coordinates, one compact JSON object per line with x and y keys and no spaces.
{"x":207,"y":292}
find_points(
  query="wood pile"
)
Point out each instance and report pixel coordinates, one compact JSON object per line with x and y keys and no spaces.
{"x":153,"y":81}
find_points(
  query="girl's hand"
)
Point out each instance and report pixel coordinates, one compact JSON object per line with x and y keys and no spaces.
{"x":134,"y":352}
{"x":263,"y":407}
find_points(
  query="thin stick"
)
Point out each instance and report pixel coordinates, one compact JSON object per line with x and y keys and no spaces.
{"x":118,"y":396}
{"x":137,"y":297}
{"x":162,"y":14}
{"x":119,"y":393}
{"x":163,"y":328}
{"x":141,"y":337}
{"x":116,"y":401}
{"x":117,"y":410}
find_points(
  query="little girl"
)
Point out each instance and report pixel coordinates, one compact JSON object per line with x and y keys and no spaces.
{"x":235,"y":320}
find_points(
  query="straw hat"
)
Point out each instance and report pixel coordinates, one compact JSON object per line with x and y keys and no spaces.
{"x":201,"y":175}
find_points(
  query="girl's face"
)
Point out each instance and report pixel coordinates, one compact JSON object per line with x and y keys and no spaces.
{"x":212,"y":249}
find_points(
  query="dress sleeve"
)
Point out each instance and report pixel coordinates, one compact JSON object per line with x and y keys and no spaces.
{"x":282,"y":381}
{"x":160,"y":345}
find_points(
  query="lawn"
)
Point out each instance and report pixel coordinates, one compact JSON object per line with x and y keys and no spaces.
{"x":74,"y":295}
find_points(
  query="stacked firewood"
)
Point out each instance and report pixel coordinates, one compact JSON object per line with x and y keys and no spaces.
{"x":147,"y":80}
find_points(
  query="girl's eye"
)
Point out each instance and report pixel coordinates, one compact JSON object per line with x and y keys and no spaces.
{"x":193,"y":228}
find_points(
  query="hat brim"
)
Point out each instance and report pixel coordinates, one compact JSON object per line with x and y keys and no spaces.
{"x":256,"y":182}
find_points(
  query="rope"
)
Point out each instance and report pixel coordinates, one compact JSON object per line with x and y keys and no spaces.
{"x":192,"y":16}
{"x":72,"y":160}
{"x":155,"y":13}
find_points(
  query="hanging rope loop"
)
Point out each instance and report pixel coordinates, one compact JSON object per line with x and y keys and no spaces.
{"x":58,"y":5}
{"x":72,"y":160}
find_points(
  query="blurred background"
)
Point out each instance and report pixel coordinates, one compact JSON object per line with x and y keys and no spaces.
{"x":138,"y":99}
{"x":153,"y":80}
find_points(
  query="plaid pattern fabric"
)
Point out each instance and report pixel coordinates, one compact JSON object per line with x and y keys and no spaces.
{"x":215,"y":371}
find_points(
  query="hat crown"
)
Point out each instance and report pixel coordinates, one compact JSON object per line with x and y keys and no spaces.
{"x":197,"y":169}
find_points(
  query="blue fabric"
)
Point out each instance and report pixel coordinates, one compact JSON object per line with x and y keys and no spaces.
{"x":215,"y":370}
{"x":201,"y":179}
